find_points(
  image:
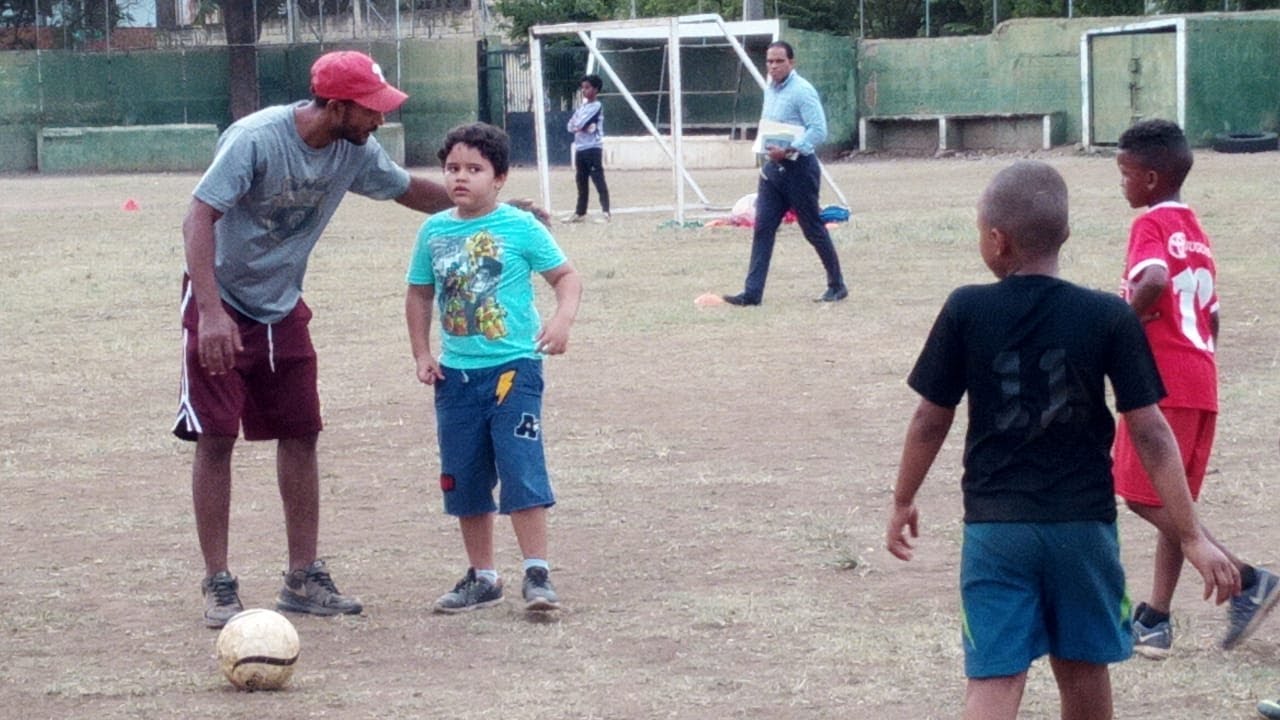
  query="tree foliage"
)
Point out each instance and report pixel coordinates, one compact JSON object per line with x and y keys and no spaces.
{"x":1190,"y":6}
{"x":838,"y":17}
{"x":879,"y":18}
{"x":524,"y":14}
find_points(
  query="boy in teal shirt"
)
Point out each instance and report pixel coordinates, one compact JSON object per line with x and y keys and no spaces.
{"x":474,"y":263}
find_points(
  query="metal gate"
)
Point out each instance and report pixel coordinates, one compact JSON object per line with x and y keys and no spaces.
{"x":1133,"y":75}
{"x":506,"y":98}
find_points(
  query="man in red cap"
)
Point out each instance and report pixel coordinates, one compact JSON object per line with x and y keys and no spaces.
{"x":275,"y":181}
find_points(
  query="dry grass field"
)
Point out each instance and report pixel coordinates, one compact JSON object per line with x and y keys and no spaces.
{"x":723,"y":473}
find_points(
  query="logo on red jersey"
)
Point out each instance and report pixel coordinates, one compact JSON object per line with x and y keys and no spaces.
{"x":1178,"y":245}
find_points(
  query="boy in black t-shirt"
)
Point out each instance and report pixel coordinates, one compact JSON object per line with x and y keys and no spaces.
{"x":1040,"y":565}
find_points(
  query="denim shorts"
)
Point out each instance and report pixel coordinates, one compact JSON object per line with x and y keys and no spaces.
{"x":489,"y":426}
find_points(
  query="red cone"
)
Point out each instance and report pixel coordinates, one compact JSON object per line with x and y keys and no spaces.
{"x":130,"y":205}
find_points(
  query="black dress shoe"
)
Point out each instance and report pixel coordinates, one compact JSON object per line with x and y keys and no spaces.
{"x":834,"y":294}
{"x":740,"y":300}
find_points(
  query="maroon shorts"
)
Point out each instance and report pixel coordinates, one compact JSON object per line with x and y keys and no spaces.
{"x":271,"y":390}
{"x":1194,"y":431}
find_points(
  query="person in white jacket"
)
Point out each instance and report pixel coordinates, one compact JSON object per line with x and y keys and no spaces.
{"x":587,"y":126}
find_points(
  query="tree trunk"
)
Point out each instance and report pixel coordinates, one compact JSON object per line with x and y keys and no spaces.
{"x":752,"y":9}
{"x":242,"y":36}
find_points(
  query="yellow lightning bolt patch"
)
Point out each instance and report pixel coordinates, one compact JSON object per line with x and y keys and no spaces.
{"x":504,"y":385}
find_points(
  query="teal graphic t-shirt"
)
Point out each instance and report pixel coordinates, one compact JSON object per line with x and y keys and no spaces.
{"x":482,"y":272}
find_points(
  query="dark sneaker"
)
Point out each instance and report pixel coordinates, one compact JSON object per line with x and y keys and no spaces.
{"x":312,"y":591}
{"x":1152,"y":642}
{"x":1269,"y":709}
{"x":221,"y":599}
{"x":1248,"y":609}
{"x":471,"y":593}
{"x":833,"y":294}
{"x":741,"y":300}
{"x":539,"y":593}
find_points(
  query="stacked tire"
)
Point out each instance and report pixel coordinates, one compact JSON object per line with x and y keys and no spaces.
{"x":1246,"y":142}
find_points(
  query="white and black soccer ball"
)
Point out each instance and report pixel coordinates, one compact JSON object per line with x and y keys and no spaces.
{"x":257,"y":650}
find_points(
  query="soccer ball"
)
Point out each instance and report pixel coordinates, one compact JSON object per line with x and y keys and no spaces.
{"x":257,"y":650}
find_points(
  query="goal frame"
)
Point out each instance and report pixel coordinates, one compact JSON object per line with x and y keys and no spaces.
{"x":673,"y":30}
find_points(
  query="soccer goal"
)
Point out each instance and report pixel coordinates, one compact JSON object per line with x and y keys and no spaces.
{"x":722,"y":56}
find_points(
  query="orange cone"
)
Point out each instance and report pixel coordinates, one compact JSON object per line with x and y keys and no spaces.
{"x":130,"y":205}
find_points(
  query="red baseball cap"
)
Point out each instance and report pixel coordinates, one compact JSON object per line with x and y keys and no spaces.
{"x":351,"y":75}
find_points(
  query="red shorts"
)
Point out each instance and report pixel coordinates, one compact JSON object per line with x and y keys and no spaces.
{"x":1192,"y":428}
{"x":271,"y":390}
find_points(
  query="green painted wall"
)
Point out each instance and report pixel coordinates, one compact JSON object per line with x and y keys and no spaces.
{"x":138,"y":148}
{"x":65,"y":89}
{"x":1025,"y":66}
{"x":19,"y":110}
{"x":1233,"y":74}
{"x":443,"y":84}
{"x":828,"y":61}
{"x":440,"y":77}
{"x":1033,"y":65}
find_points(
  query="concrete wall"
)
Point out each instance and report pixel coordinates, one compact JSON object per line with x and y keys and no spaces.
{"x":642,"y":152}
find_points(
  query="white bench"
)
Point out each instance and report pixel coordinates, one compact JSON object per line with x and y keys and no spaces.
{"x":939,"y":132}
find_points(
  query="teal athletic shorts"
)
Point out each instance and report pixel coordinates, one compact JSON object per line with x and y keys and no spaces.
{"x":1034,"y":588}
{"x":489,"y":425}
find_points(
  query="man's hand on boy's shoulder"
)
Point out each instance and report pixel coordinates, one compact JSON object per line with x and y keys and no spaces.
{"x":527,"y":205}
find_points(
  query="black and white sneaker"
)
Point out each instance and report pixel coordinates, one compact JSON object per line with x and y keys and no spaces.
{"x":1248,"y":609}
{"x":471,"y":593}
{"x":539,"y":593}
{"x":221,"y":598}
{"x":311,"y":590}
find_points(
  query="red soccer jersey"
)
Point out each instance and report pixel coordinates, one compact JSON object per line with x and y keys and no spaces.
{"x":1169,"y":235}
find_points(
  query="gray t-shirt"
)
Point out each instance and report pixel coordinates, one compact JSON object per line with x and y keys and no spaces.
{"x":277,"y":194}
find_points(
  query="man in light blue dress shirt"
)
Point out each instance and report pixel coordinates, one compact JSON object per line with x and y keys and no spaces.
{"x":790,"y":178}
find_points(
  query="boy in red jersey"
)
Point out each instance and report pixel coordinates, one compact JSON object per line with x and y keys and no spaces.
{"x":1169,"y":281}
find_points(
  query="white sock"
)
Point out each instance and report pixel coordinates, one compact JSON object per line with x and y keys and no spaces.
{"x":491,"y":575}
{"x":536,"y":562}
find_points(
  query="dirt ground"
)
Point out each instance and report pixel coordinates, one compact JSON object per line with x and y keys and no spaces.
{"x":723,"y":473}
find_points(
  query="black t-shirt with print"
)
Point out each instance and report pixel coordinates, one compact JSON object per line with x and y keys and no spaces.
{"x":1031,"y":352}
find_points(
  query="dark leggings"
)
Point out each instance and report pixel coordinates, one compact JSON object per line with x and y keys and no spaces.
{"x":590,"y":164}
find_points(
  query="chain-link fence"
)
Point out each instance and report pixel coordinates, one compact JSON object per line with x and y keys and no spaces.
{"x":124,"y":25}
